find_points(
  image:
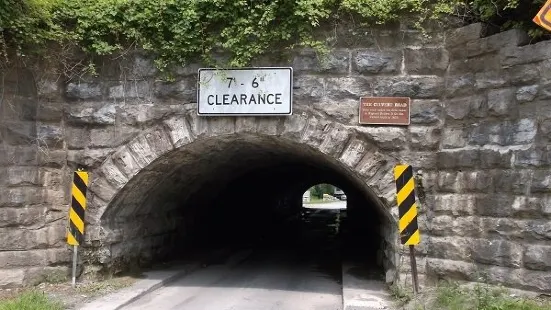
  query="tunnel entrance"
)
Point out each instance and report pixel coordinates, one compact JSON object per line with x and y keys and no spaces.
{"x":243,"y":191}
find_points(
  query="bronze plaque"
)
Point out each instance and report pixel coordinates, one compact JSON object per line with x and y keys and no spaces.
{"x":385,"y":110}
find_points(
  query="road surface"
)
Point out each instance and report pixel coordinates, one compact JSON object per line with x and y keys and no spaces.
{"x":297,"y":272}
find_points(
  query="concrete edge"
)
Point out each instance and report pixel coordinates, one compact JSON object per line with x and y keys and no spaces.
{"x":363,"y":294}
{"x":154,"y":280}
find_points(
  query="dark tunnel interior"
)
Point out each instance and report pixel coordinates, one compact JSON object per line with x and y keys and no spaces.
{"x":239,"y":193}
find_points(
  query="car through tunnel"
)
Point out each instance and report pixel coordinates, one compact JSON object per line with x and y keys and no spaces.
{"x":241,"y":192}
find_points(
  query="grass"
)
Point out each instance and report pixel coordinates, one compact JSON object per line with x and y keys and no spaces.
{"x":452,"y":296}
{"x":31,"y":300}
{"x":483,"y":297}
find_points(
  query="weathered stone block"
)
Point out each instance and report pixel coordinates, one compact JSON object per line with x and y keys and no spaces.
{"x":502,"y":102}
{"x":335,"y":140}
{"x":424,"y":138}
{"x":495,"y":159}
{"x":511,"y":181}
{"x":465,"y":226}
{"x":526,"y":54}
{"x":20,"y":196}
{"x":19,"y":133}
{"x":11,"y":278}
{"x":453,"y":138}
{"x":455,"y":204}
{"x":496,"y":205}
{"x":426,"y":87}
{"x":347,"y":88}
{"x":460,"y":85}
{"x":526,"y":93}
{"x":113,"y":175}
{"x":460,"y":108}
{"x":27,"y":216}
{"x":12,"y":259}
{"x":48,"y":88}
{"x":50,"y":136}
{"x":448,"y":182}
{"x":87,"y":158}
{"x":150,"y":146}
{"x":293,"y":125}
{"x":37,"y":275}
{"x":26,"y":239}
{"x":308,"y":87}
{"x":131,"y":89}
{"x":179,"y":131}
{"x":336,"y":62}
{"x":226,"y":125}
{"x":91,"y":115}
{"x":496,"y":42}
{"x":484,"y":63}
{"x":462,"y":35}
{"x":544,"y":92}
{"x":523,"y":74}
{"x":49,"y":111}
{"x":384,"y":137}
{"x":18,"y":155}
{"x":371,"y":164}
{"x":102,"y":189}
{"x":375,"y":61}
{"x":425,"y":111}
{"x":541,"y":182}
{"x":83,"y":91}
{"x":77,"y":138}
{"x":353,"y":153}
{"x":314,"y":131}
{"x":490,"y":79}
{"x":344,"y":111}
{"x":111,"y":136}
{"x":19,"y":176}
{"x":185,"y":90}
{"x":455,"y":248}
{"x":497,"y":252}
{"x":137,"y":114}
{"x":426,"y":61}
{"x":449,"y":159}
{"x":475,"y":181}
{"x":537,"y":257}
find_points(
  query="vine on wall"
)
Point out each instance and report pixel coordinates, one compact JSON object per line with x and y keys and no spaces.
{"x":180,"y":31}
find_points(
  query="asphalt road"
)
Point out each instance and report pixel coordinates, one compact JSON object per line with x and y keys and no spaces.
{"x":301,"y":271}
{"x":266,"y":281}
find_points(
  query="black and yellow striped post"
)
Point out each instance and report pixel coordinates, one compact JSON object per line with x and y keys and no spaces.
{"x":407,"y":213}
{"x":75,"y":233}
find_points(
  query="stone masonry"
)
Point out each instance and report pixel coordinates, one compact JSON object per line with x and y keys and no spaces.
{"x":478,"y":140}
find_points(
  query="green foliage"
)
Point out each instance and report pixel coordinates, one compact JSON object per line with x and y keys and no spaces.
{"x":181,"y":31}
{"x":483,"y":297}
{"x":31,"y":300}
{"x":320,"y":189}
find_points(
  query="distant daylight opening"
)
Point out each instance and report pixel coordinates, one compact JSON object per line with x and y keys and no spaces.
{"x":224,"y":195}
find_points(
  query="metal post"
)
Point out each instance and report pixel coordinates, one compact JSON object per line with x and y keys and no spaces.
{"x":74,"y":265}
{"x":413,"y":269}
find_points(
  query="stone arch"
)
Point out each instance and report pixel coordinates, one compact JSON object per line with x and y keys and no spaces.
{"x":353,"y":153}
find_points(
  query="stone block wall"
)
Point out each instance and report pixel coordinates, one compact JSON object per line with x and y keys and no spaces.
{"x":478,"y":140}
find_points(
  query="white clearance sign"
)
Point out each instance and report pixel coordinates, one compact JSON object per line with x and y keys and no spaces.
{"x":247,"y":91}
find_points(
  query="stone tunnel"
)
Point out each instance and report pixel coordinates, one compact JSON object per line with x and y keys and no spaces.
{"x":165,"y":180}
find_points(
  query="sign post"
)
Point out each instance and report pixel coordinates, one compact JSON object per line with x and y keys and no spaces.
{"x":407,"y":211}
{"x":543,"y":18}
{"x":246,"y":91}
{"x":75,"y":233}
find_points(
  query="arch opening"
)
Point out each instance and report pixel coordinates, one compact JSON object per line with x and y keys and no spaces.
{"x":243,"y":191}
